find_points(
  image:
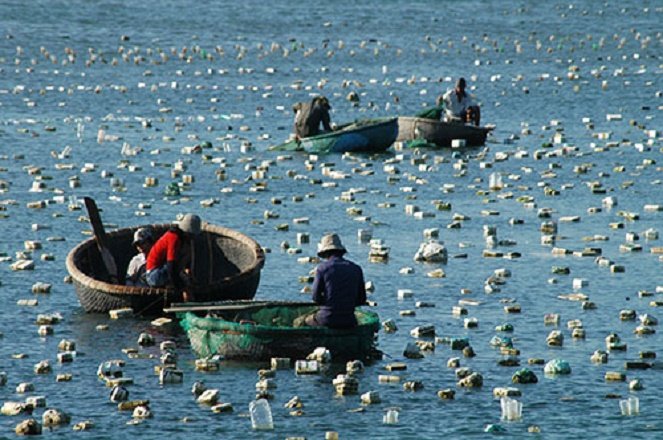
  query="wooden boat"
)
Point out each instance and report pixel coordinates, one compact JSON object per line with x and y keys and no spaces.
{"x":440,"y":133}
{"x":370,"y":135}
{"x":227,"y":265}
{"x":260,"y":330}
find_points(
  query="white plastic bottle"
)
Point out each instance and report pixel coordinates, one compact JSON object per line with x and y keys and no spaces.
{"x":261,"y":415}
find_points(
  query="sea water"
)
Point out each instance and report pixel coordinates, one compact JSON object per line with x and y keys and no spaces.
{"x":164,"y":76}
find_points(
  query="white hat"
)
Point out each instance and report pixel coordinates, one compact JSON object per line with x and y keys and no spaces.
{"x":190,"y":223}
{"x":141,"y":235}
{"x":330,"y":242}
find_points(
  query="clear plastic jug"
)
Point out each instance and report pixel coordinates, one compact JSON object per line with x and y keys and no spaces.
{"x":511,"y":408}
{"x":261,"y":415}
{"x":391,"y":417}
{"x":630,"y":406}
{"x":495,"y":182}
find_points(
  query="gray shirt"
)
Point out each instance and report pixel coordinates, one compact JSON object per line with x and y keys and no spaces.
{"x":136,"y":271}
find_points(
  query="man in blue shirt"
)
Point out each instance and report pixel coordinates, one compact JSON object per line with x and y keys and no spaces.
{"x":338,"y":286}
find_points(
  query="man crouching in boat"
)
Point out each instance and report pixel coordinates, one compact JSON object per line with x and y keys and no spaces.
{"x":459,"y":106}
{"x":169,"y":256}
{"x":309,"y":115}
{"x":338,"y":287}
{"x":143,"y":241}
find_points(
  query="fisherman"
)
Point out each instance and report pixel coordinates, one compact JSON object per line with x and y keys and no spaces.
{"x":168,"y":262}
{"x":143,"y":241}
{"x":309,"y":115}
{"x":459,"y":106}
{"x":338,"y":287}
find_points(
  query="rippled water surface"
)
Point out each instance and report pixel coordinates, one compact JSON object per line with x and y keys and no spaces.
{"x":228,"y":73}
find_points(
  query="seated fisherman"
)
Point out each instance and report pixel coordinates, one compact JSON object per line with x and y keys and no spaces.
{"x":309,"y":115}
{"x":338,"y":286}
{"x":143,"y":241}
{"x":168,"y":257}
{"x":459,"y":105}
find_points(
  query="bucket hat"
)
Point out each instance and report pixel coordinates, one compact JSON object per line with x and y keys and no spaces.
{"x":190,"y":224}
{"x":330,"y":242}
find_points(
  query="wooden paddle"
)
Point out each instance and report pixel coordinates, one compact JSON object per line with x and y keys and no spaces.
{"x":100,"y":238}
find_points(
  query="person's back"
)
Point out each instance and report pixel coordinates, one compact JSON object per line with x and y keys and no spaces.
{"x":164,"y":250}
{"x":339,"y":287}
{"x":309,"y":115}
{"x":169,"y":257}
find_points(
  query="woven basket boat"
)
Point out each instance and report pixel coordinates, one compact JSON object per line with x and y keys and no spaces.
{"x":227,"y":266}
{"x":440,"y":133}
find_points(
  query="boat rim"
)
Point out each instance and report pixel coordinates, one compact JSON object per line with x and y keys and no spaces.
{"x":79,"y":276}
{"x":349,"y":129}
{"x":486,"y":128}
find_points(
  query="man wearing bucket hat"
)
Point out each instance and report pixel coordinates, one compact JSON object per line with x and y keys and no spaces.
{"x":168,"y":255}
{"x":338,"y":286}
{"x":143,"y":241}
{"x":309,"y":115}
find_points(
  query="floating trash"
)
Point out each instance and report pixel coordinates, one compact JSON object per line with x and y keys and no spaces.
{"x":630,"y":406}
{"x":119,"y":394}
{"x":307,"y":367}
{"x":390,"y":417}
{"x":512,"y":409}
{"x":261,"y":415}
{"x":431,"y":252}
{"x":208,"y":397}
{"x":524,"y":376}
{"x":346,"y":384}
{"x":28,"y":427}
{"x":142,"y":412}
{"x":54,"y":417}
{"x":557,"y":367}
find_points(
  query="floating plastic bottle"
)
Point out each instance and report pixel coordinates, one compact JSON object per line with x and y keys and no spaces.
{"x":261,"y":415}
{"x":511,"y":408}
{"x":630,"y":406}
{"x":495,"y":182}
{"x":391,"y":417}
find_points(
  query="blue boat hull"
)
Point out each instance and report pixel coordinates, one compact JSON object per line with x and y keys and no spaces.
{"x":361,"y":136}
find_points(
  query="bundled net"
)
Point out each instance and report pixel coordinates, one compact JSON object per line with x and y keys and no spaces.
{"x":431,"y":112}
{"x":269,"y":331}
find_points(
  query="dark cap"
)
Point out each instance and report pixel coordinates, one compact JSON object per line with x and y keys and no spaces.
{"x":142,"y":235}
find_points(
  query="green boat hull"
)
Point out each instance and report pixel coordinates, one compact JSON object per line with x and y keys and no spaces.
{"x":268,"y":332}
{"x":373,"y":135}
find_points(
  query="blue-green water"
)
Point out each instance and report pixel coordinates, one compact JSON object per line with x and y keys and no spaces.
{"x":228,"y":73}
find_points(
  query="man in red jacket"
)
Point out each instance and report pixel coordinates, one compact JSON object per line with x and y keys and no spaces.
{"x":166,"y":258}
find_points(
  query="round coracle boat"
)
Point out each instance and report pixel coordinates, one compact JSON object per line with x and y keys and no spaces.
{"x":226,"y":265}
